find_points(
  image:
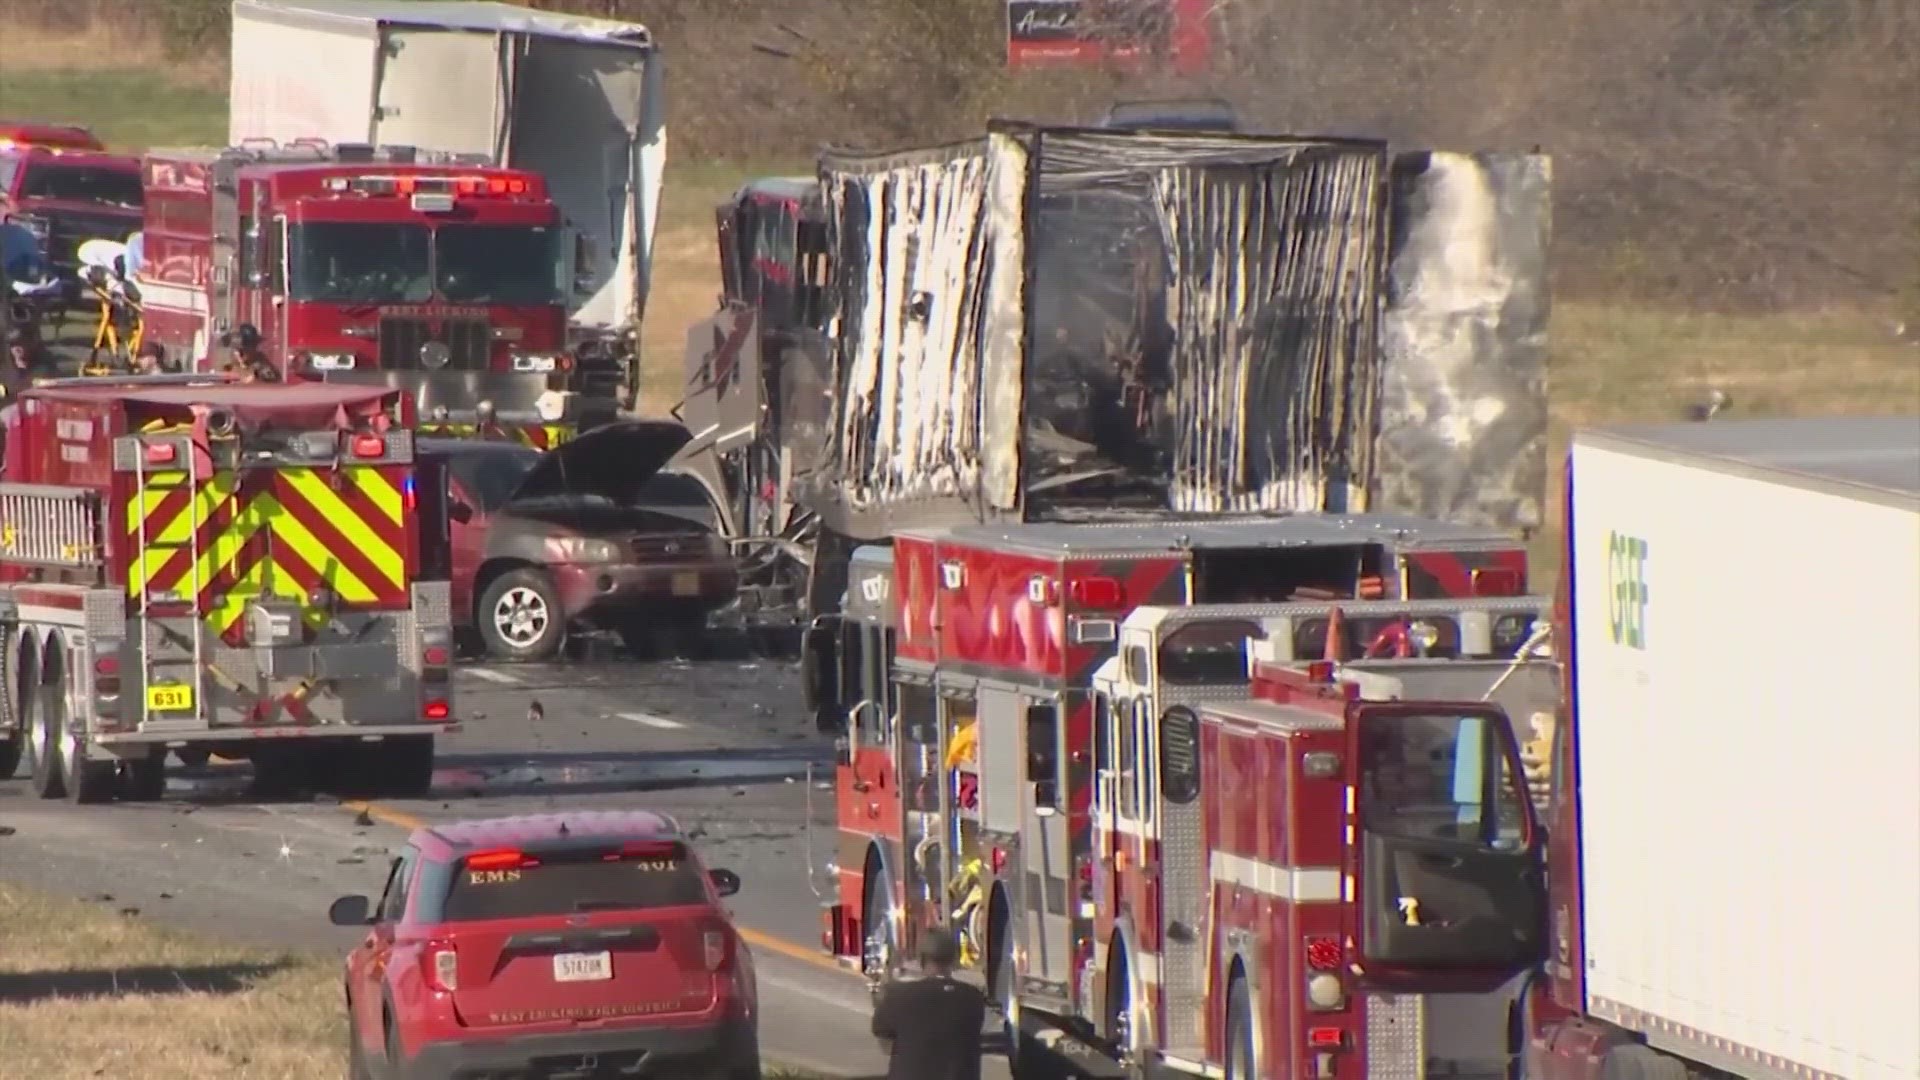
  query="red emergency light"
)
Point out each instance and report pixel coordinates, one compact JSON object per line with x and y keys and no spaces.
{"x":369,"y":446}
{"x":160,"y":453}
{"x":1104,"y":594}
{"x":1326,"y":1038}
{"x":500,"y":859}
{"x":436,"y":710}
{"x":1323,"y":953}
{"x":468,"y":186}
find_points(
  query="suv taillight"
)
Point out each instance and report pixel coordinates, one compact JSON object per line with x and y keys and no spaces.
{"x":442,"y":967}
{"x":715,"y":946}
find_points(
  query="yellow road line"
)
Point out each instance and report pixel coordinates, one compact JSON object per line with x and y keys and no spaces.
{"x":400,"y":819}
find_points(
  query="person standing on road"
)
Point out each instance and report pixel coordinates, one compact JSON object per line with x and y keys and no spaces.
{"x":929,"y":1027}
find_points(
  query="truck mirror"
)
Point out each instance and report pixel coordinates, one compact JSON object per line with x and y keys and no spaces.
{"x":820,"y":670}
{"x":584,"y":274}
{"x":1045,"y":799}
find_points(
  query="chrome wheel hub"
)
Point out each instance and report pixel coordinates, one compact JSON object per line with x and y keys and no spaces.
{"x":521,"y":616}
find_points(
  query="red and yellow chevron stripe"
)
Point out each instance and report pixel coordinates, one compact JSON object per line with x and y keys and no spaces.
{"x":287,"y":532}
{"x":538,"y":436}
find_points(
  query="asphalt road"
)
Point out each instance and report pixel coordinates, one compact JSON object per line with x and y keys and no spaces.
{"x":725,"y":747}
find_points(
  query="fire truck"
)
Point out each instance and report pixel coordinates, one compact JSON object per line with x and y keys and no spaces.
{"x":194,"y":565}
{"x":970,"y":671}
{"x":385,"y":266}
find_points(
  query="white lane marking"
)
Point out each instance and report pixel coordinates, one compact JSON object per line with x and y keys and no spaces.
{"x":507,"y":677}
{"x":651,"y":721}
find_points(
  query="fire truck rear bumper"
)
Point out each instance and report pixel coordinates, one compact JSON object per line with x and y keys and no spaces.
{"x":184,"y":736}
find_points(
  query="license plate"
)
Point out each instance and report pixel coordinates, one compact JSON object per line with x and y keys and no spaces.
{"x":170,"y":697}
{"x":582,"y":967}
{"x":686,"y":584}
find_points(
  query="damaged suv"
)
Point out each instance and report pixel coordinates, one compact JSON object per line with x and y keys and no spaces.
{"x":588,"y":534}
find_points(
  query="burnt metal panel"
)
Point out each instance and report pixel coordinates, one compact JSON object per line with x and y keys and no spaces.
{"x":1463,"y":380}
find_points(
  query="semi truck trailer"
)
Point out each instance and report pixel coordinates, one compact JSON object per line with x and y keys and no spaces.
{"x":1734,"y":860}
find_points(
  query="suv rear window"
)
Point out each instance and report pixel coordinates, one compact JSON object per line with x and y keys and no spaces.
{"x":497,"y":885}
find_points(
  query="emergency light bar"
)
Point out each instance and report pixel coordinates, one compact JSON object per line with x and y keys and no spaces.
{"x":415,"y":186}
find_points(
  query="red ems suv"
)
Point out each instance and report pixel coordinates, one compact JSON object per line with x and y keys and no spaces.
{"x":569,"y":944}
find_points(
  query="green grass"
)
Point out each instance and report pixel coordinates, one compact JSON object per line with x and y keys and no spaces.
{"x":126,"y":109}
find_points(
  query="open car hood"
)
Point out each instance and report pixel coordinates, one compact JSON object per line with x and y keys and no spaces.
{"x":611,"y":462}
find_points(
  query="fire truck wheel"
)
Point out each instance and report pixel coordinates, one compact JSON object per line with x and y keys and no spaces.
{"x":406,"y":767}
{"x":86,"y":781}
{"x":520,"y":617}
{"x":194,"y":757}
{"x":146,"y":780}
{"x":12,"y":746}
{"x":1239,"y":1033}
{"x":43,"y":744}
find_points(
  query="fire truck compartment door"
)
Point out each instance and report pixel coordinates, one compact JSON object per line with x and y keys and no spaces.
{"x":1451,"y":886}
{"x":442,"y":89}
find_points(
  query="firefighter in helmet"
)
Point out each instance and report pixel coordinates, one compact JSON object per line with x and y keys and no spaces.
{"x":244,"y":356}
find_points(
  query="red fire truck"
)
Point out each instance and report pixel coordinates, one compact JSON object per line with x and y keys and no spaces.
{"x":193,"y":565}
{"x":387,"y":266}
{"x":966,"y":665}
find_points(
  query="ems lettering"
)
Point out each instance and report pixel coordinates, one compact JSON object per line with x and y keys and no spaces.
{"x":1627,"y":592}
{"x":492,"y":877}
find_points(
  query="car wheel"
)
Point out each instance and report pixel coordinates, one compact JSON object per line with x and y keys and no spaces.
{"x":357,"y":1067}
{"x":520,"y":616}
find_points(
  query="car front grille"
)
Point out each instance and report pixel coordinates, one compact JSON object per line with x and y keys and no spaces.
{"x":469,"y":340}
{"x":66,"y":231}
{"x":670,"y":548}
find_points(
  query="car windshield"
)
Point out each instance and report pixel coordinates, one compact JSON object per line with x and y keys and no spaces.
{"x":360,"y":262}
{"x":503,"y":885}
{"x":491,"y":474}
{"x":498,"y":264}
{"x":82,"y":183}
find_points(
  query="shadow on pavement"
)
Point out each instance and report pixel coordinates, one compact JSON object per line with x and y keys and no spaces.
{"x":27,"y":987}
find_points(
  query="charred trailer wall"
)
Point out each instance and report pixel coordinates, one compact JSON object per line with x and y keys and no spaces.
{"x":1205,"y":312}
{"x":1463,"y":390}
{"x":927,"y":333}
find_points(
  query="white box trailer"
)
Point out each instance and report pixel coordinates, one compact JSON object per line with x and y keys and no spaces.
{"x":578,"y":100}
{"x":1746,"y":633}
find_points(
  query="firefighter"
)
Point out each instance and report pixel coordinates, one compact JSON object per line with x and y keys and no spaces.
{"x":929,"y":1027}
{"x":245,"y":357}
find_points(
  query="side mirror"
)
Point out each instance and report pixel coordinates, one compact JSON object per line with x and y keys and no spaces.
{"x":583,"y":264}
{"x":460,"y":512}
{"x":350,"y":911}
{"x":725,"y":882}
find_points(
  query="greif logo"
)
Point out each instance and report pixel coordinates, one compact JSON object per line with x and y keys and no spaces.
{"x":1627,"y":590}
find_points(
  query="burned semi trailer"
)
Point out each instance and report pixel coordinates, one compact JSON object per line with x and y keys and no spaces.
{"x":1080,"y":325}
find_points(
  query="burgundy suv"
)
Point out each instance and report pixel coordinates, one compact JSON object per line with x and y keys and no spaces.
{"x":567,"y":944}
{"x":589,"y":533}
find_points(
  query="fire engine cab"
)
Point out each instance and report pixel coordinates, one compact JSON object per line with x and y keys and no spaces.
{"x":392,"y":266}
{"x":966,"y":662}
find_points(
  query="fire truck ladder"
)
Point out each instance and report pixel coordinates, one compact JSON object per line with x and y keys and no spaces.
{"x":195,"y":662}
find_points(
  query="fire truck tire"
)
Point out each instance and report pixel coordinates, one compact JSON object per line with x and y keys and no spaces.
{"x":194,"y":757}
{"x":1239,"y":1032}
{"x":12,"y":746}
{"x":405,"y":767}
{"x":520,"y":618}
{"x":88,"y":781}
{"x":146,"y":780}
{"x":43,"y":743}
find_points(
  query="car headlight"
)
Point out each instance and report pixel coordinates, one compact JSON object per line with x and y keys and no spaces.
{"x":583,"y":549}
{"x":331,"y":361}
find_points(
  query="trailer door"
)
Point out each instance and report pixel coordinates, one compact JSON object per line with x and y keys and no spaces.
{"x":443,"y":90}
